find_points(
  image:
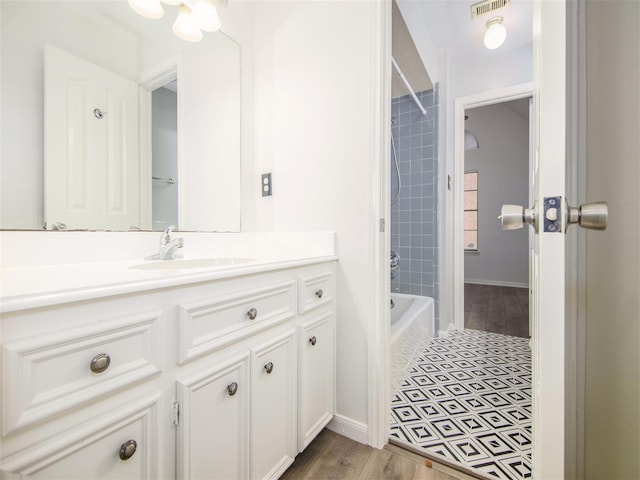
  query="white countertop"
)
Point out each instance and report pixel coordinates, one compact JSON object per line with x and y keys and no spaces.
{"x":39,"y":286}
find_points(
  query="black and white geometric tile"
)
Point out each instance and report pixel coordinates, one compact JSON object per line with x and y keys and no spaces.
{"x":467,"y":397}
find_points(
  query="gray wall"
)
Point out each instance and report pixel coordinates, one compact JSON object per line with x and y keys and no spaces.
{"x":612,"y":391}
{"x":502,"y":162}
{"x":165,"y":158}
{"x":414,"y":219}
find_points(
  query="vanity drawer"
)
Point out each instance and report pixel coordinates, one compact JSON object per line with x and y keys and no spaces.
{"x":315,"y":290}
{"x":48,"y":374}
{"x":121,"y":444}
{"x":209,"y":324}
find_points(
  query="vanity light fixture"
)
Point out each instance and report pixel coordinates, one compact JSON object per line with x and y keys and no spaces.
{"x":193,"y":16}
{"x":495,"y":34}
{"x":147,"y":8}
{"x":186,"y":27}
{"x":206,"y":15}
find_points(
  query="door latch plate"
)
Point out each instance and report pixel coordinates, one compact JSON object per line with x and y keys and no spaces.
{"x":552,"y":214}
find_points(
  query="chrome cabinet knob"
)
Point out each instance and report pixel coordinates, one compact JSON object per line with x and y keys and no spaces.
{"x":268,"y":367}
{"x":100,"y":363}
{"x":319,"y":293}
{"x":252,"y":314}
{"x":313,"y":340}
{"x":232,"y":389}
{"x":127,"y":449}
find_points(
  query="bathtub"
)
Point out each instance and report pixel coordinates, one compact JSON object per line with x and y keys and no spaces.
{"x":411,"y":315}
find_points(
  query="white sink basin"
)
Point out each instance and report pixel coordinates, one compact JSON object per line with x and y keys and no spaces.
{"x":190,"y":263}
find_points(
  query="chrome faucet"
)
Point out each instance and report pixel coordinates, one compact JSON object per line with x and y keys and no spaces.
{"x":168,"y":246}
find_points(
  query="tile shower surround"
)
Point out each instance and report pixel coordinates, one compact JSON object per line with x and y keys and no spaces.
{"x":414,"y":218}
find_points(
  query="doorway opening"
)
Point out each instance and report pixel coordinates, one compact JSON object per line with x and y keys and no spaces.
{"x":464,"y":396}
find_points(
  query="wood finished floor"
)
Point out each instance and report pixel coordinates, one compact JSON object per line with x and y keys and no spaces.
{"x":490,"y":308}
{"x":334,"y":457}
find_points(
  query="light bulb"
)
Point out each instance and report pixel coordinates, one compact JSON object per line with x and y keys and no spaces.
{"x":147,"y":8}
{"x":186,"y":26}
{"x":206,"y":15}
{"x":495,"y":34}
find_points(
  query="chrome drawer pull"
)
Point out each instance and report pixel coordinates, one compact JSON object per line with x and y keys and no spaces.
{"x":252,"y":314}
{"x":100,"y":363}
{"x":269,"y":367}
{"x":313,"y":340}
{"x":319,"y":293}
{"x":232,"y":389}
{"x":127,"y":449}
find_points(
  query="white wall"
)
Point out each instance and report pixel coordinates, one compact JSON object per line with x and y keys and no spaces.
{"x":502,"y":162}
{"x":23,"y":35}
{"x":314,"y":110}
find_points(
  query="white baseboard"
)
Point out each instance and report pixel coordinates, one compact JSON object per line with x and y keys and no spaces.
{"x":497,"y":283}
{"x":350,"y":428}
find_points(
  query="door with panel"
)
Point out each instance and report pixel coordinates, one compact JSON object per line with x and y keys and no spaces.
{"x":213,"y":429}
{"x":273,"y":406}
{"x":91,"y":145}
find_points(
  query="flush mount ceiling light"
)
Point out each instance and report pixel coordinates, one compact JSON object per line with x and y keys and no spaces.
{"x":495,"y":34}
{"x":193,"y":16}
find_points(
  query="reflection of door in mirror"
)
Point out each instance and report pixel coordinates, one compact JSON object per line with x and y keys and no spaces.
{"x":164,"y":155}
{"x":91,"y":145}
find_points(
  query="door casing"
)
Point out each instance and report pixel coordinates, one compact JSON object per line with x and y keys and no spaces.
{"x":461,"y":104}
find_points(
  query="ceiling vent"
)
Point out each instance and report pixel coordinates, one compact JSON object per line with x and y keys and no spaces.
{"x":487,"y":6}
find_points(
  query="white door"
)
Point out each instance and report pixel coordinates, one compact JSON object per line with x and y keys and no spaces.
{"x":91,"y":145}
{"x":552,"y":438}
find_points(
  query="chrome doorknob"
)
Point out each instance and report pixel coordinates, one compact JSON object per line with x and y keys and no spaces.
{"x":593,"y":216}
{"x":513,"y":217}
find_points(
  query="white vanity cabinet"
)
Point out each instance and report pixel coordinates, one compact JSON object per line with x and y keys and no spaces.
{"x":227,"y":378}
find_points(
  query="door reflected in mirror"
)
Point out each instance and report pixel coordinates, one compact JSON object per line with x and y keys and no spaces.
{"x":202,"y":156}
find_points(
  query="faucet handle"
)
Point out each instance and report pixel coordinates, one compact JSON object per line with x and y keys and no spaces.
{"x":166,"y":235}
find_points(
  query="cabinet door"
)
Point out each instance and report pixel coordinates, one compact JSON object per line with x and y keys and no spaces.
{"x":273,"y":407}
{"x":120,"y":445}
{"x":213,"y":433}
{"x":315,"y":377}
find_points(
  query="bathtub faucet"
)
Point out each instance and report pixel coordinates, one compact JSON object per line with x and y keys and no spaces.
{"x":167,"y":249}
{"x":395,"y":264}
{"x":395,"y":261}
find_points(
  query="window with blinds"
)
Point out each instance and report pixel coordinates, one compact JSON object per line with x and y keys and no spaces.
{"x":471,"y":211}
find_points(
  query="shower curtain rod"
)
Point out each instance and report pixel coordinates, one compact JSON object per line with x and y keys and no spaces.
{"x":406,"y":83}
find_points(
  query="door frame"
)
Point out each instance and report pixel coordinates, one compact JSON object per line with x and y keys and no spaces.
{"x":150,"y":80}
{"x":461,"y":104}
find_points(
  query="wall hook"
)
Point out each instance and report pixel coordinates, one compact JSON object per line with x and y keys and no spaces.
{"x":99,"y":113}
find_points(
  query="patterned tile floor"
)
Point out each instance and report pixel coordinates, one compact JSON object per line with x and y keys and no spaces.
{"x":466,"y":397}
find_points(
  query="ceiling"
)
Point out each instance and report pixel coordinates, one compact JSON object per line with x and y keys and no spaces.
{"x":451,"y":27}
{"x":405,"y":53}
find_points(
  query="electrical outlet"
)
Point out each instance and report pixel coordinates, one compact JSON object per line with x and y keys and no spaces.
{"x":265,"y":186}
